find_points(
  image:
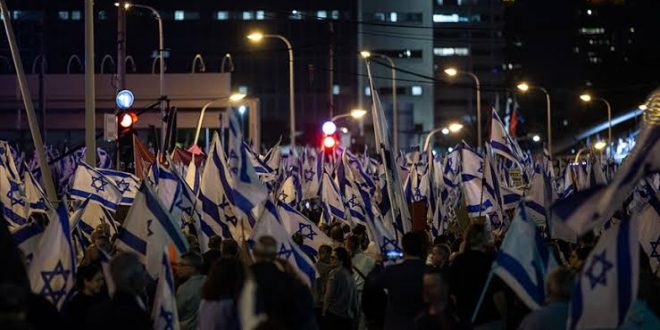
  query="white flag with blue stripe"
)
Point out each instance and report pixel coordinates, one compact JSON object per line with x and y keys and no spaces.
{"x":270,"y":224}
{"x":501,"y":142}
{"x":148,"y":229}
{"x":607,"y":284}
{"x":127,"y":183}
{"x":14,"y":206}
{"x":590,"y":208}
{"x":164,"y":311}
{"x":35,"y":198}
{"x":91,"y":216}
{"x":52,"y":271}
{"x":524,"y":260}
{"x":332,"y":204}
{"x":89,"y":183}
{"x":649,"y":232}
{"x":27,"y":239}
{"x":296,"y":223}
{"x":478,"y":200}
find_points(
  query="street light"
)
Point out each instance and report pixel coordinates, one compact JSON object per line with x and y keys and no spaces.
{"x":395,"y":109}
{"x":355,"y":113}
{"x":233,"y":98}
{"x":452,"y":72}
{"x":523,"y":87}
{"x":536,"y":138}
{"x":258,"y":37}
{"x":588,"y":98}
{"x":600,"y":145}
{"x":161,"y":48}
{"x":453,"y":128}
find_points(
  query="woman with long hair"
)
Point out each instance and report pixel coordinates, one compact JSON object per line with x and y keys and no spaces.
{"x":340,"y":306}
{"x":218,"y":309}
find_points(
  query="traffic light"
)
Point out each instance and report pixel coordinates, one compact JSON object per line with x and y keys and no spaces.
{"x":329,"y":140}
{"x":126,"y":119}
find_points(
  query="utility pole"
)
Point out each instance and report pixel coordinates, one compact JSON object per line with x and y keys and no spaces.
{"x":121,"y":65}
{"x":331,"y":73}
{"x":90,"y":89}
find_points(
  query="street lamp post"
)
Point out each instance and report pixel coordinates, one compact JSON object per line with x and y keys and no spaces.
{"x":355,"y":113}
{"x":587,"y":98}
{"x":395,"y":110}
{"x":524,"y":87}
{"x":453,"y":127}
{"x":256,"y":37}
{"x":233,"y":98}
{"x":453,"y":72}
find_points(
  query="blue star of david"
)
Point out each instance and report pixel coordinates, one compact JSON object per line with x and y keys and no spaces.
{"x":55,"y":294}
{"x":309,"y":175}
{"x":168,"y":317}
{"x":149,"y":231}
{"x":226,"y":210}
{"x":418,"y":194}
{"x":481,"y":168}
{"x":284,"y":251}
{"x":99,"y":183}
{"x":386,"y":242}
{"x":655,"y":253}
{"x":282,"y":196}
{"x":123,"y":185}
{"x":232,"y":156}
{"x":310,"y":232}
{"x":601,"y":278}
{"x":14,"y":195}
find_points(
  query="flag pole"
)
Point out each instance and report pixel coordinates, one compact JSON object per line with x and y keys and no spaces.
{"x":47,"y":178}
{"x":481,"y":298}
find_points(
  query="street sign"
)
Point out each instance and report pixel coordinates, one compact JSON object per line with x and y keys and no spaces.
{"x":109,"y":127}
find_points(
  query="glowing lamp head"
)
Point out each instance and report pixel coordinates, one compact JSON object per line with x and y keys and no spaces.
{"x":643,"y":107}
{"x":365,"y":54}
{"x":445,"y":131}
{"x":358,"y":113}
{"x":236,"y":97}
{"x":127,"y":119}
{"x":455,"y":127}
{"x":600,"y":145}
{"x":536,"y":138}
{"x":329,"y":127}
{"x":124,"y":99}
{"x":451,"y":72}
{"x":523,"y":87}
{"x":585,"y":97}
{"x":329,"y":142}
{"x":255,"y":36}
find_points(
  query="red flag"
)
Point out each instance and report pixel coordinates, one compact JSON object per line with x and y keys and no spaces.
{"x":513,"y":122}
{"x":143,"y":158}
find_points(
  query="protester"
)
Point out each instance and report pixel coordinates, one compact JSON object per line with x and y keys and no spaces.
{"x":127,"y":309}
{"x":439,"y":260}
{"x":89,"y":282}
{"x":212,"y":254}
{"x":362,"y":266}
{"x":340,"y":303}
{"x":229,"y":248}
{"x":555,"y":314}
{"x":281,"y":295}
{"x":323,"y":268}
{"x":219,"y":294}
{"x":437,"y":314}
{"x":403,"y":283}
{"x":468,"y":274}
{"x":188,"y":294}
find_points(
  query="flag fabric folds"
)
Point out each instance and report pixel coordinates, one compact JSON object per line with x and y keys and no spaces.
{"x":89,"y":183}
{"x":296,"y":223}
{"x":164,"y":312}
{"x":127,"y":183}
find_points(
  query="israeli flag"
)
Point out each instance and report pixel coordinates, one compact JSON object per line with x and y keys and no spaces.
{"x":14,"y":206}
{"x":27,"y":239}
{"x":289,"y":192}
{"x":127,"y":183}
{"x":332,"y":204}
{"x":35,"y":198}
{"x":538,"y":199}
{"x":91,"y":216}
{"x":477,"y":198}
{"x":148,"y":229}
{"x":607,"y":284}
{"x":216,"y":196}
{"x":89,"y":183}
{"x":590,"y":208}
{"x":524,"y":261}
{"x":192,"y":176}
{"x":296,"y":223}
{"x":52,"y":271}
{"x":164,"y":311}
{"x":312,"y":173}
{"x":7,"y":160}
{"x":270,"y":224}
{"x":501,"y":142}
{"x":649,"y":233}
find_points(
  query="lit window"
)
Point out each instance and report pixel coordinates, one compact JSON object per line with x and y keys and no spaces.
{"x":449,"y":18}
{"x":367,"y":91}
{"x":460,"y":51}
{"x":222,"y":16}
{"x":243,"y":89}
{"x":179,"y":15}
{"x":63,"y":15}
{"x":295,"y":14}
{"x":335,"y":89}
{"x":247,"y":15}
{"x":260,"y":15}
{"x":335,"y":14}
{"x":75,"y":15}
{"x":379,"y":17}
{"x":322,"y":14}
{"x":416,"y":90}
{"x":594,"y":30}
{"x":394,"y":17}
{"x":16,"y":14}
{"x":103,"y":15}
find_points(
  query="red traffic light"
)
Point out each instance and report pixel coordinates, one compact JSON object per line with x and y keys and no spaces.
{"x":329,"y":142}
{"x":126,"y":119}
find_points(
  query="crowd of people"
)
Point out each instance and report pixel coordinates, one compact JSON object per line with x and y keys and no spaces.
{"x":434,"y":284}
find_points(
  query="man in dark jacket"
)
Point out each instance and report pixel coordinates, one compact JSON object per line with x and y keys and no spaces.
{"x":404,"y":283}
{"x":126,"y":310}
